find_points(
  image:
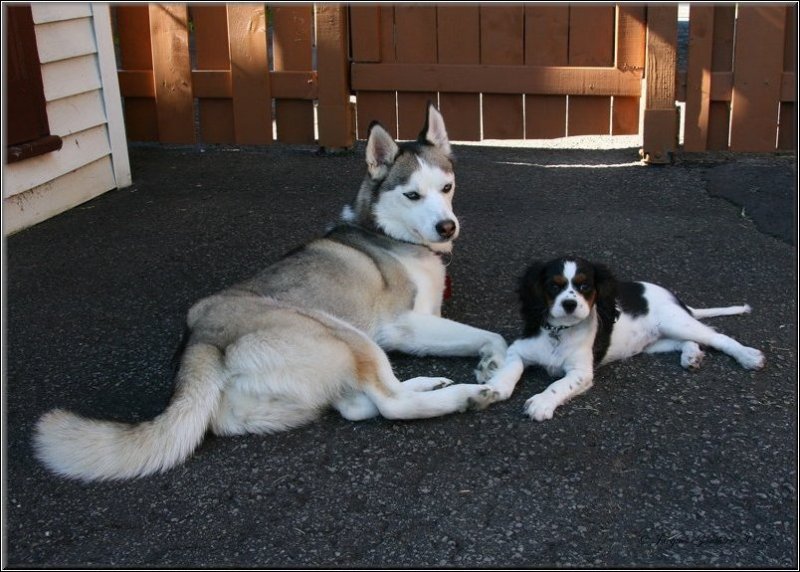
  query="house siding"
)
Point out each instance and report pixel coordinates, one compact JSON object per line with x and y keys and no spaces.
{"x":83,"y":108}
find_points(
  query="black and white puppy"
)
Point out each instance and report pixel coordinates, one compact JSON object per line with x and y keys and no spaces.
{"x":577,"y":316}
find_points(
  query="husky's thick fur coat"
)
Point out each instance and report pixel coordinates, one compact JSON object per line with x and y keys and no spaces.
{"x":309,"y":332}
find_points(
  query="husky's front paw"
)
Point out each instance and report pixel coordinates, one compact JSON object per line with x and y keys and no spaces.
{"x":493,"y":356}
{"x":487,"y":368}
{"x":751,"y":358}
{"x":482,"y":399}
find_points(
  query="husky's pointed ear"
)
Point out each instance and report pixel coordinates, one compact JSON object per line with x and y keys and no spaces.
{"x":381,"y":151}
{"x":434,"y":131}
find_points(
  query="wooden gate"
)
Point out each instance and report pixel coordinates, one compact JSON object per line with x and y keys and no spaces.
{"x":172,"y":54}
{"x":740,"y":82}
{"x":500,"y":72}
{"x":225,"y":73}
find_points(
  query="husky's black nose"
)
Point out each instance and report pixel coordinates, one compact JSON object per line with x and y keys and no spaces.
{"x":569,"y":306}
{"x":446,"y":228}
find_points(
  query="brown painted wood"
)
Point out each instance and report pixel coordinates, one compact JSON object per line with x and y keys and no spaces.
{"x":546,"y":44}
{"x":698,"y":78}
{"x":458,"y":42}
{"x":379,"y":105}
{"x":787,"y":130}
{"x":365,"y":32}
{"x":415,"y":42}
{"x":591,"y":43}
{"x":252,"y":109}
{"x":169,"y":35}
{"x":502,"y":43}
{"x":625,"y":115}
{"x":336,"y":123}
{"x":26,"y":112}
{"x":757,"y":77}
{"x":631,"y":43}
{"x":291,"y":51}
{"x":721,"y":61}
{"x":211,"y":47}
{"x":133,"y":31}
{"x":511,"y":79}
{"x":660,"y":126}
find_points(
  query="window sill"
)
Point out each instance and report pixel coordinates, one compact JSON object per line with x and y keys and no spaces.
{"x":32,"y":148}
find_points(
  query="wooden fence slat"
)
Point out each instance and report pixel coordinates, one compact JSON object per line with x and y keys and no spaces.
{"x":502,"y":42}
{"x":787,"y":129}
{"x":133,"y":31}
{"x":334,"y":111}
{"x":591,"y":43}
{"x":365,"y":20}
{"x":252,"y":109}
{"x":378,"y":105}
{"x":631,"y":40}
{"x":757,"y":77}
{"x":511,"y":79}
{"x":458,"y":42}
{"x":291,"y":51}
{"x":169,"y":34}
{"x":660,"y":127}
{"x":698,"y":78}
{"x":213,"y":53}
{"x":415,"y":42}
{"x":546,"y":44}
{"x":721,"y":61}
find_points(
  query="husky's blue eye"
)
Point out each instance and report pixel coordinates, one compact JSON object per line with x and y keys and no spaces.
{"x":447,"y":188}
{"x":413,"y":195}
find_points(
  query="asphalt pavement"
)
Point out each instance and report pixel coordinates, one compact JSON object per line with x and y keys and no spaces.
{"x":653,"y":467}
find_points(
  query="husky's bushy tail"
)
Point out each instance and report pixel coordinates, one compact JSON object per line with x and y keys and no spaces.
{"x":701,"y":313}
{"x":88,"y":449}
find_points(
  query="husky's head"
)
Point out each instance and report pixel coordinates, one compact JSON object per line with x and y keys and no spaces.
{"x":408,"y":191}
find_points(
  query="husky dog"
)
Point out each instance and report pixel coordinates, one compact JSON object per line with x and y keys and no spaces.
{"x":273,"y":352}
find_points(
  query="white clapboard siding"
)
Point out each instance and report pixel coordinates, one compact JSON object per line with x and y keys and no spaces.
{"x":54,"y":197}
{"x":76,"y":151}
{"x":76,"y":113}
{"x":84,"y":108}
{"x":111,"y":94}
{"x":58,"y":11}
{"x":70,"y":77}
{"x":63,"y":40}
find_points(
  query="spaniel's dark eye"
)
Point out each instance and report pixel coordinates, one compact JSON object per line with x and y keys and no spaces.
{"x":413,"y":195}
{"x":584,"y":288}
{"x":553,"y":289}
{"x":447,"y":188}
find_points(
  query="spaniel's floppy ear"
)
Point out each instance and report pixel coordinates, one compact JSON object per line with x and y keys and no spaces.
{"x":606,"y":287}
{"x":533,"y":304}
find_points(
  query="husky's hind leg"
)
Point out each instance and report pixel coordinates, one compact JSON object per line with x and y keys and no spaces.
{"x":356,"y":406}
{"x":283,"y":375}
{"x":418,"y":397}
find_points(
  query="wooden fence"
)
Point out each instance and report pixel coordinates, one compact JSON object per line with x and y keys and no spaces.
{"x":496,"y":71}
{"x":740,"y":82}
{"x":222,"y":61}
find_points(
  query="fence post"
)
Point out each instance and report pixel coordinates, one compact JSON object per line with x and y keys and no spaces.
{"x":660,"y":128}
{"x":335,"y":114}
